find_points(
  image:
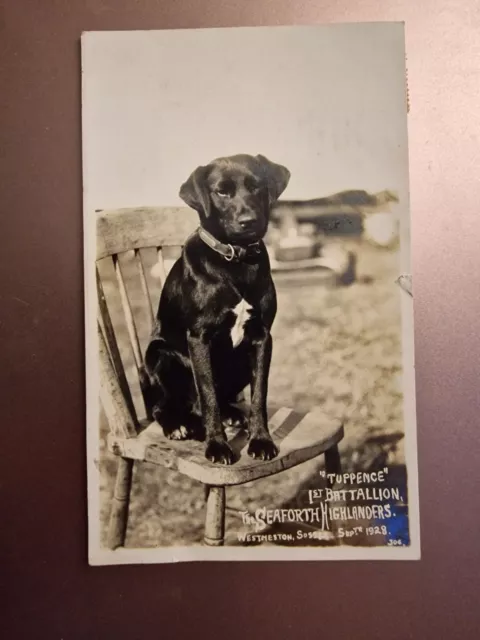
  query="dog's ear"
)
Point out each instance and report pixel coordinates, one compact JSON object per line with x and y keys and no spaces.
{"x":194,"y":191}
{"x":277,"y":177}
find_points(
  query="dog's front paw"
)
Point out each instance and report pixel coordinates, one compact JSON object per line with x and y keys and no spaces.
{"x":262,"y":448}
{"x":219,"y":451}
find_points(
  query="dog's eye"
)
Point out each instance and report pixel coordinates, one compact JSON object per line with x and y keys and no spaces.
{"x":253,"y":187}
{"x":222,"y":193}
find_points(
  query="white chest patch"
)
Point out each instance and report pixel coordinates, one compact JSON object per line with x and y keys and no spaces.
{"x":242,"y":311}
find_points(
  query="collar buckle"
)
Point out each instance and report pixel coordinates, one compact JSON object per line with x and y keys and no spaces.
{"x":232,"y":255}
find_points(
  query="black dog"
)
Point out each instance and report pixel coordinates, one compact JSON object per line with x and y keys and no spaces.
{"x":212,"y":336}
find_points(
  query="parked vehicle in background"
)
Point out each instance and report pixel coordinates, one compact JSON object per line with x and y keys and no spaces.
{"x":301,"y":230}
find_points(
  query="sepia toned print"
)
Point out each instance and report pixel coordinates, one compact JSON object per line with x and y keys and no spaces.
{"x":250,"y":379}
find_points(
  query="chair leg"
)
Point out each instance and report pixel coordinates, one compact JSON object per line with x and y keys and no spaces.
{"x":215,"y":517}
{"x":332,"y":462}
{"x":121,"y":499}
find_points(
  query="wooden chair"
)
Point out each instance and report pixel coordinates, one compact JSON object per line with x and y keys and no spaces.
{"x":300,"y":437}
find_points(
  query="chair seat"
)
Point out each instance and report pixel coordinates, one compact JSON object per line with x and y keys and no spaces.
{"x":298,"y":436}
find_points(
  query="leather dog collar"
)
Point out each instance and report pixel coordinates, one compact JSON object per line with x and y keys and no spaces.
{"x":230,"y":252}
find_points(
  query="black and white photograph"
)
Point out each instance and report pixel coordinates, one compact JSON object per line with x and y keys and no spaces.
{"x":249,"y":344}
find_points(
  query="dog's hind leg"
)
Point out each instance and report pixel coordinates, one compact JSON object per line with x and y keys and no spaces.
{"x":171,"y":390}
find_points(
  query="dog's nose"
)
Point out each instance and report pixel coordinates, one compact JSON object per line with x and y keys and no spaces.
{"x":247,"y":221}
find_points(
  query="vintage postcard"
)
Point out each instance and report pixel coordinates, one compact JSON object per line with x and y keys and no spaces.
{"x":249,"y":353}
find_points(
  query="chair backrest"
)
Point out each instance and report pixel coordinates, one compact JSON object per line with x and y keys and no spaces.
{"x":129,"y":241}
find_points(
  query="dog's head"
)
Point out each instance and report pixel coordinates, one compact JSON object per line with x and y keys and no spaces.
{"x":233,"y":196}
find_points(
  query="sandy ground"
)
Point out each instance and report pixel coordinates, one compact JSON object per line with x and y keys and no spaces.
{"x":338,"y":348}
